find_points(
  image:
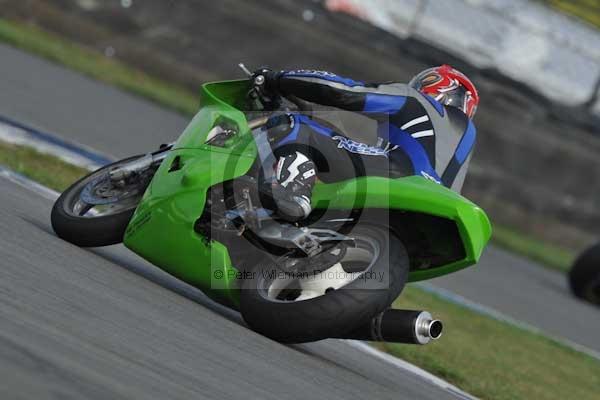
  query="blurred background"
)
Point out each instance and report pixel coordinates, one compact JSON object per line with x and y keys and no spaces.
{"x":536,"y":63}
{"x":535,"y":170}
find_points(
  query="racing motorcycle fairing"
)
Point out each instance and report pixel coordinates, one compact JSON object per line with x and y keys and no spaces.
{"x":452,"y":229}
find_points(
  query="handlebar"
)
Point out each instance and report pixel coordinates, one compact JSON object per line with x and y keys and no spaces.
{"x":258,"y":122}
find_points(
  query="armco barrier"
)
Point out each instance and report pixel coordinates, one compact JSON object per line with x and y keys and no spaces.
{"x":556,"y":55}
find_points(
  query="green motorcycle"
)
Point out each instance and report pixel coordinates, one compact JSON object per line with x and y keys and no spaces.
{"x":196,"y":209}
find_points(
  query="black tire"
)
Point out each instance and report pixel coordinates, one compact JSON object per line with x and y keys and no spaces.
{"x":584,"y":277}
{"x":337,"y":312}
{"x":84,"y":231}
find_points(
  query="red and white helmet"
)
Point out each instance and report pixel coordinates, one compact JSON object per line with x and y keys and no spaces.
{"x":448,"y":86}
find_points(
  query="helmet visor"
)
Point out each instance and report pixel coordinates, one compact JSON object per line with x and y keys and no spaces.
{"x":458,"y":97}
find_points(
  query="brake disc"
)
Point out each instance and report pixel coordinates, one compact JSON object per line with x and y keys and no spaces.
{"x":101,"y":191}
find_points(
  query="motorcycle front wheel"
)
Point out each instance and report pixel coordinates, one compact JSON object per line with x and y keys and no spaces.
{"x":584,"y":276}
{"x":95,"y":211}
{"x":304,"y":307}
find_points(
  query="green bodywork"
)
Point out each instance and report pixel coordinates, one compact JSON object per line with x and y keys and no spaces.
{"x":162,"y":228}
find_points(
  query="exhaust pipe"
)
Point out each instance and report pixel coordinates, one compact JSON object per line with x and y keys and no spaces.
{"x":400,"y":326}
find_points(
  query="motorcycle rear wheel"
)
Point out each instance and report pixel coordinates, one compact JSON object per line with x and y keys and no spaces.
{"x":301,"y":308}
{"x":92,"y":225}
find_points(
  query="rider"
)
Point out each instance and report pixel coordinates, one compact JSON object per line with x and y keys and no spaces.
{"x":424,"y":128}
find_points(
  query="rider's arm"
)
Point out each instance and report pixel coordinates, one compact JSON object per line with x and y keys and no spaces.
{"x":332,"y":90}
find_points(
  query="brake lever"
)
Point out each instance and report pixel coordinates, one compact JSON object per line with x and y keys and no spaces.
{"x":245,"y":70}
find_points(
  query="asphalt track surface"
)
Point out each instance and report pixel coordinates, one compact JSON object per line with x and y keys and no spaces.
{"x":102,"y":323}
{"x":95,"y":321}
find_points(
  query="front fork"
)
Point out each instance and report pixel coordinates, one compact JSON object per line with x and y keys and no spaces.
{"x":154,"y":159}
{"x":140,"y":165}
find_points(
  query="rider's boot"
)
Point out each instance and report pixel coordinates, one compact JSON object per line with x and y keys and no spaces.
{"x":296,"y":175}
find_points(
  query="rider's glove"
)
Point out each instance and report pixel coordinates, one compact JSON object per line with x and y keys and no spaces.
{"x":265,"y":84}
{"x":267,"y":80}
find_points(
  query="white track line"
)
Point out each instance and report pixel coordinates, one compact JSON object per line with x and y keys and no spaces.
{"x":45,"y":143}
{"x":27,"y":183}
{"x":497,"y":315}
{"x":408,"y":367}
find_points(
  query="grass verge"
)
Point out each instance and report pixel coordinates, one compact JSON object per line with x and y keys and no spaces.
{"x":546,"y":254}
{"x":96,"y":65}
{"x":43,"y":168}
{"x":494,"y":360}
{"x":587,"y":10}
